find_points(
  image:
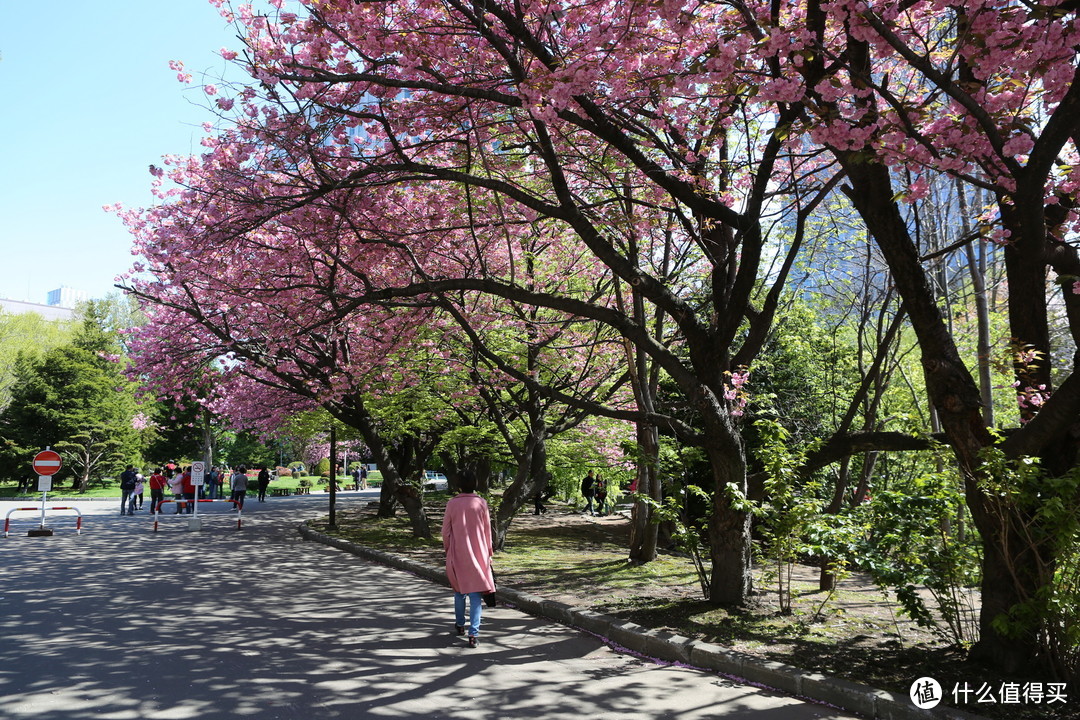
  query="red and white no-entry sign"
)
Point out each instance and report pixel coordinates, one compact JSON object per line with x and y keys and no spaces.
{"x":47,"y":462}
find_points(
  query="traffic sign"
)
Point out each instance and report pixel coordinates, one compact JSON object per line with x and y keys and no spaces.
{"x":47,"y":462}
{"x":198,"y":473}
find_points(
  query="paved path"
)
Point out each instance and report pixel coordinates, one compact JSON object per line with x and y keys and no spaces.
{"x":120,"y":622}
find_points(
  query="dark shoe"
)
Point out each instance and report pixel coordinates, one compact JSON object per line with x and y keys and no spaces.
{"x":473,"y":641}
{"x":460,"y":629}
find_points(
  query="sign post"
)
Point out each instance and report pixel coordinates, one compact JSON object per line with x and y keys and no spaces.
{"x":46,"y":464}
{"x":198,"y":475}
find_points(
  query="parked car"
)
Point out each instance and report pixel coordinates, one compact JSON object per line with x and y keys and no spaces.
{"x":434,"y":481}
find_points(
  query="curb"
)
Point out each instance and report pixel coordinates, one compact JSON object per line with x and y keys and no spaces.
{"x":671,"y":648}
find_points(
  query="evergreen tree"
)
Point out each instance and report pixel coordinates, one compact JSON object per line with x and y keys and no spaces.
{"x":76,"y":399}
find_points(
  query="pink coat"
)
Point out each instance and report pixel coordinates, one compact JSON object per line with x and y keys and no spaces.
{"x":466,"y":534}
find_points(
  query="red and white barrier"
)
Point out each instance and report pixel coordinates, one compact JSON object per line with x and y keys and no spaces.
{"x":41,"y":511}
{"x":180,"y":502}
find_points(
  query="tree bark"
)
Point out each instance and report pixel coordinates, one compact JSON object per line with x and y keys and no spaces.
{"x":643,"y":531}
{"x":1013,"y":572}
{"x":532,"y":476}
{"x":729,"y":525}
{"x":393,"y":490}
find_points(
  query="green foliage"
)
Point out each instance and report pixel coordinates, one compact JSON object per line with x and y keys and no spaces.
{"x":1042,"y":512}
{"x":91,"y":452}
{"x":173,"y":431}
{"x":802,"y":375}
{"x":573,"y":453}
{"x":323,"y":468}
{"x":688,"y":533}
{"x":789,"y":516}
{"x":76,"y":395}
{"x":915,"y":544}
{"x":244,"y":448}
{"x":27,"y":335}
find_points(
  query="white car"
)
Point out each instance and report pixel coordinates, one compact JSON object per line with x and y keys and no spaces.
{"x":434,"y":481}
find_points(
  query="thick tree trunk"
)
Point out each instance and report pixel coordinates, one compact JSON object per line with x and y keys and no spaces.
{"x":531,"y":477}
{"x":643,"y":531}
{"x":393,"y":490}
{"x":729,"y":526}
{"x":409,"y":497}
{"x":1009,"y":561}
{"x":1013,"y":572}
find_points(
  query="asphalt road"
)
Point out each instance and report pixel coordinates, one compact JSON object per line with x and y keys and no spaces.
{"x":122,"y":622}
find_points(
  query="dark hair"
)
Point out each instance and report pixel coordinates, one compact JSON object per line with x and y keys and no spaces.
{"x":467,"y":481}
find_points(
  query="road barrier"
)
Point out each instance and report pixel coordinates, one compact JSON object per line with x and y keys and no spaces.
{"x":157,"y":511}
{"x":41,"y":513}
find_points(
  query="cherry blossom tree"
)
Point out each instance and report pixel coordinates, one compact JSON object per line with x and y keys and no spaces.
{"x":394,"y":158}
{"x":440,"y":135}
{"x":984,"y":92}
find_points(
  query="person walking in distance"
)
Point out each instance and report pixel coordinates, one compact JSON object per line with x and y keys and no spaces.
{"x":264,"y":482}
{"x":238,"y":482}
{"x":157,"y":490}
{"x":175,"y":481}
{"x":588,"y":491}
{"x":136,"y":494}
{"x":466,"y":536}
{"x":128,"y":480}
{"x":211,"y":483}
{"x":187,"y":484}
{"x":600,"y":491}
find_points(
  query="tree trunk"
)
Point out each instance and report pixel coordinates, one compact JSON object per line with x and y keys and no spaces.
{"x":827,"y":576}
{"x":1013,"y":572}
{"x":643,"y":531}
{"x":1009,"y":561}
{"x":353,"y":413}
{"x":409,"y":497}
{"x":530,"y":478}
{"x":729,"y":526}
{"x":977,"y":272}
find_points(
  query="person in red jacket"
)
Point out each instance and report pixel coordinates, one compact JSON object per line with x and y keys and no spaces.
{"x":157,"y":490}
{"x":188,"y":487}
{"x":466,"y":535}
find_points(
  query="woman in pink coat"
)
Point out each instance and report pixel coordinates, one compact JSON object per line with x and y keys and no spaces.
{"x":466,"y":534}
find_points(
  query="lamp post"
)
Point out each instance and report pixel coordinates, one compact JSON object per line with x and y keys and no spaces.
{"x":332,"y":525}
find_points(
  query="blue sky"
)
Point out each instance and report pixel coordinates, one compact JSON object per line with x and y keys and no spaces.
{"x":89,"y":102}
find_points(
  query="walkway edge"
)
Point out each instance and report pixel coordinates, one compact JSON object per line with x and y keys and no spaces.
{"x":668,"y":647}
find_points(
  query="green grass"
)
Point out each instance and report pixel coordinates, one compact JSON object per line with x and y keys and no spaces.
{"x":111,"y":489}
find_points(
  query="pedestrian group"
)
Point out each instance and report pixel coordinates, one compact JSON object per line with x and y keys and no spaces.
{"x":180,"y":485}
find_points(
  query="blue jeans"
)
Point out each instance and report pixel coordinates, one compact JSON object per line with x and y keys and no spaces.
{"x":476,"y":604}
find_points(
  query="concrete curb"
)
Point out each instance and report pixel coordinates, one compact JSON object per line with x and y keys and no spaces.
{"x":668,"y":647}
